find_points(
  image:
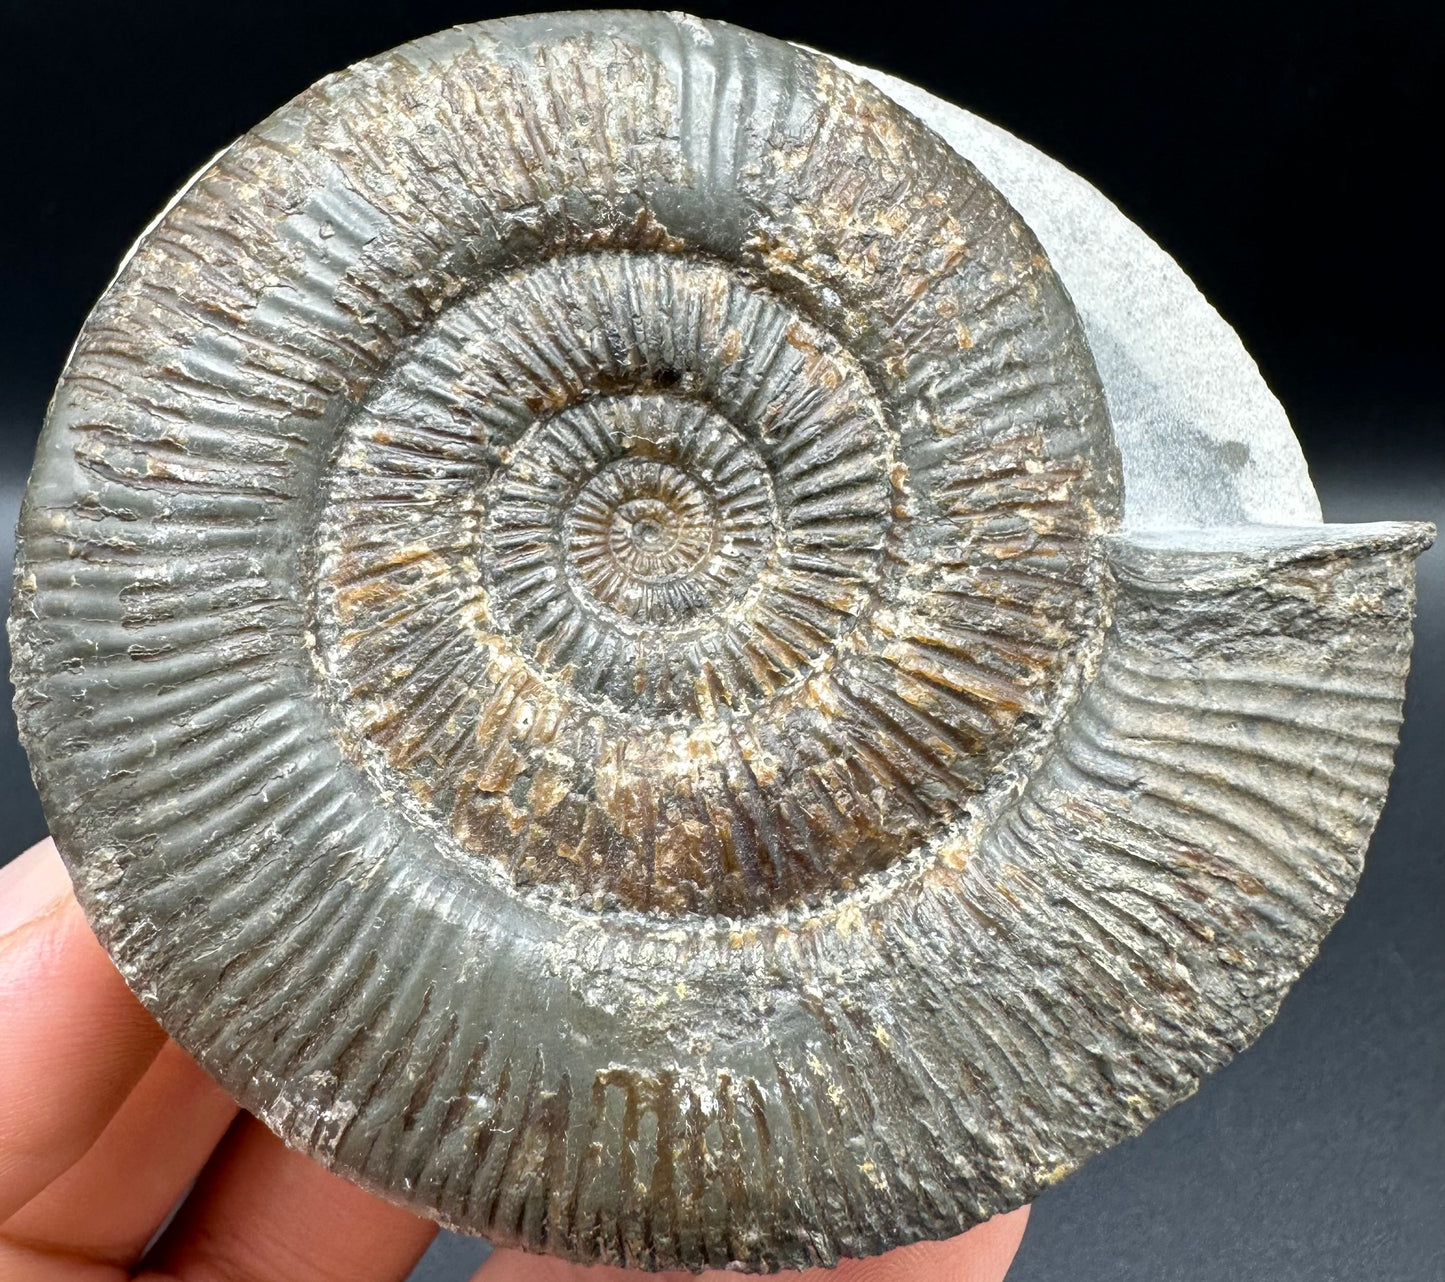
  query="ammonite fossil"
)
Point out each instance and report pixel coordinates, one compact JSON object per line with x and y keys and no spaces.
{"x":614,"y":654}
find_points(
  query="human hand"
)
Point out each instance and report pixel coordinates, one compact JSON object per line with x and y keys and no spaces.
{"x":105,"y":1123}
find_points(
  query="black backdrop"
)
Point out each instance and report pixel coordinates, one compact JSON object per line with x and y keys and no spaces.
{"x":1287,"y":155}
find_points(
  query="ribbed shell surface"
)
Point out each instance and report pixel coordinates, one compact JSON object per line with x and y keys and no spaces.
{"x":570,"y":630}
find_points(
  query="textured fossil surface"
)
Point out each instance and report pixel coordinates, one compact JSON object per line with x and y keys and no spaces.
{"x":574,"y":628}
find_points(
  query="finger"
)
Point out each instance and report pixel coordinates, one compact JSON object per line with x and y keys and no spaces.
{"x":108,"y":1205}
{"x":73,"y":1040}
{"x":264,"y":1213}
{"x":983,"y":1254}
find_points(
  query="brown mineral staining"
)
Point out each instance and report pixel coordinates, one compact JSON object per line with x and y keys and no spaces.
{"x":678,"y":530}
{"x":566,"y":625}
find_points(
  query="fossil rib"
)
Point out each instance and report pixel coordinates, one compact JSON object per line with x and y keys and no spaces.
{"x":573,"y":626}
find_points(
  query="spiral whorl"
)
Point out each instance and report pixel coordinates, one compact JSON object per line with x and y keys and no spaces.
{"x":729,"y":529}
{"x":581,"y":524}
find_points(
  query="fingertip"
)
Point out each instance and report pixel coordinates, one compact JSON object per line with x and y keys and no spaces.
{"x":32,"y":886}
{"x":995,"y":1242}
{"x":108,"y":1205}
{"x":983,"y":1254}
{"x":262,"y":1210}
{"x":73,"y":1039}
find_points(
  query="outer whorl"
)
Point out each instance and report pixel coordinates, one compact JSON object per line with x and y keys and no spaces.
{"x":568,"y":629}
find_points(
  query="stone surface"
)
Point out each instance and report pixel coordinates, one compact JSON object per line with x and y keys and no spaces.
{"x":1204,"y":440}
{"x":574,"y":627}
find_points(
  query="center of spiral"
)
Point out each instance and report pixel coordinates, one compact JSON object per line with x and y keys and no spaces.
{"x":636,"y":532}
{"x":647,"y":533}
{"x":623,"y":524}
{"x":648,"y":594}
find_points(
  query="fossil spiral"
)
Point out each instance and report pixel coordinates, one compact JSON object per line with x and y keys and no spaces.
{"x":578,"y":626}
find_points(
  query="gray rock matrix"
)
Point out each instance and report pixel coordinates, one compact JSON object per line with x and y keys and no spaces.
{"x":614,"y":653}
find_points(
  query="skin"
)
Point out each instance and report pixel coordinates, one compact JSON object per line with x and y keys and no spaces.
{"x":105,"y":1124}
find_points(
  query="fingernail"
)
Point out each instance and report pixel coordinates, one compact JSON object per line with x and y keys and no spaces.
{"x":31,"y":886}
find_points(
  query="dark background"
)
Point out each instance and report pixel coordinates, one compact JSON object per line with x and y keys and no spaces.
{"x":1289,"y":156}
